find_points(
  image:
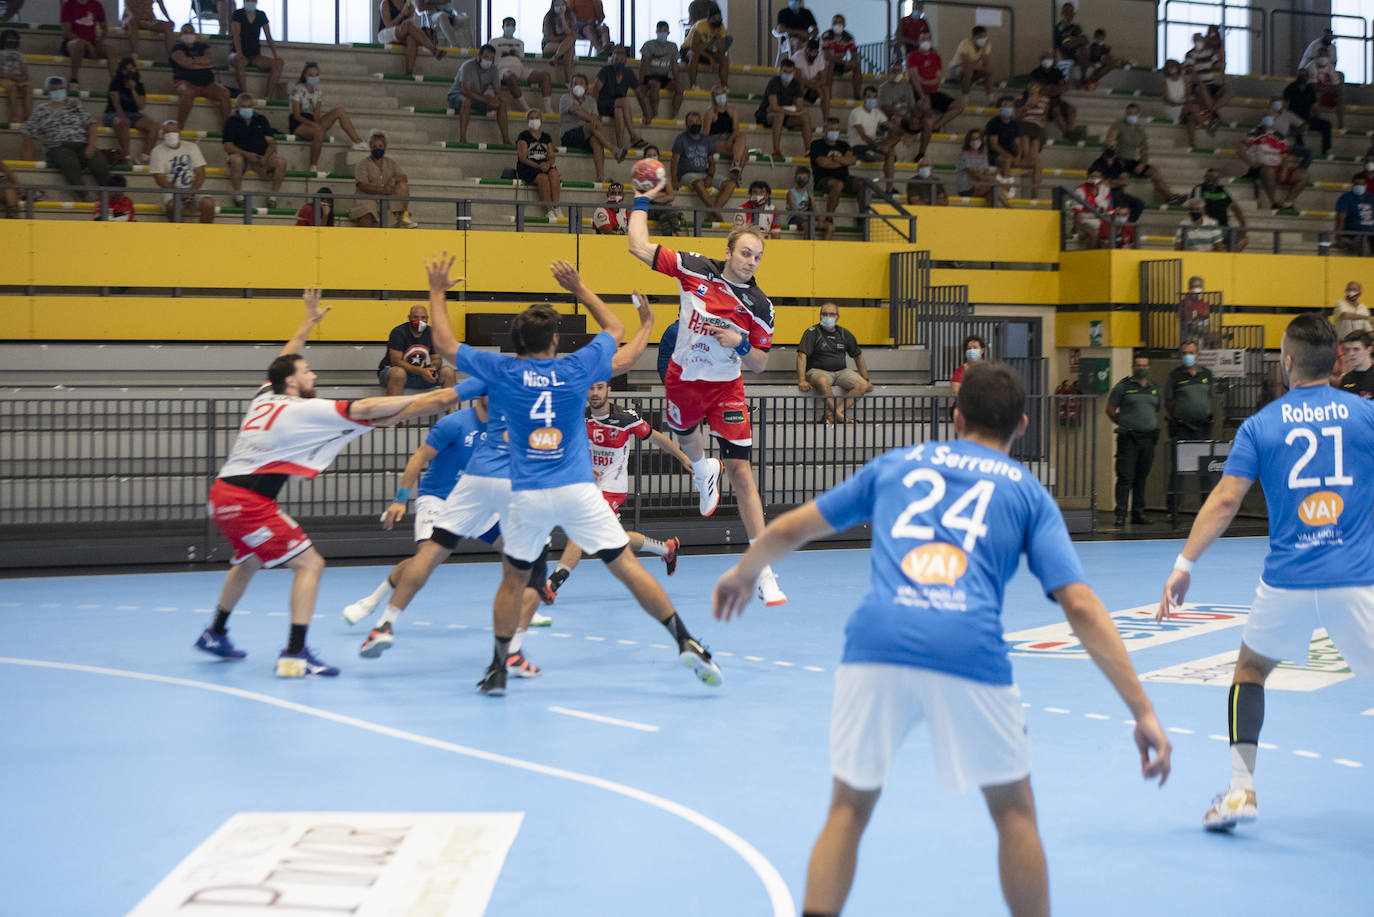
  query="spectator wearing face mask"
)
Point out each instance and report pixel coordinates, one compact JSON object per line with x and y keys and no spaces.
{"x":912,"y":27}
{"x":1188,"y":411}
{"x":814,"y":76}
{"x":759,"y":211}
{"x":1100,"y":60}
{"x":797,"y":25}
{"x":782,"y":106}
{"x":1326,"y":79}
{"x":611,"y":220}
{"x":1194,"y":313}
{"x":973,"y":60}
{"x":1220,"y":206}
{"x":694,"y":165}
{"x":1355,"y":217}
{"x":1128,"y":136}
{"x":872,"y":143}
{"x":924,"y":189}
{"x":1118,"y":180}
{"x":658,"y":73}
{"x":580,"y":125}
{"x":1119,"y":231}
{"x":1350,"y":315}
{"x":311,"y":119}
{"x":1301,"y":97}
{"x":1210,"y":86}
{"x":511,"y":69}
{"x":1197,"y":232}
{"x":801,"y":203}
{"x":115,"y":206}
{"x":476,"y":90}
{"x":975,"y":349}
{"x":193,"y":76}
{"x":1262,"y":152}
{"x":1053,"y":86}
{"x":614,"y":83}
{"x":379,"y":174}
{"x":396,"y":24}
{"x":14,"y":80}
{"x":897,"y":102}
{"x":560,"y":37}
{"x":721,"y":123}
{"x":251,"y":144}
{"x":179,"y":167}
{"x":535,"y":156}
{"x":1133,"y":406}
{"x":1325,"y":46}
{"x":831,"y":158}
{"x":707,"y":44}
{"x":821,"y":365}
{"x":842,"y":55}
{"x":973,"y":177}
{"x":1096,"y":201}
{"x":924,"y":68}
{"x":411,"y":364}
{"x":1070,"y":43}
{"x":124,"y":109}
{"x":1001,"y":132}
{"x":1177,"y":96}
{"x":65,"y":130}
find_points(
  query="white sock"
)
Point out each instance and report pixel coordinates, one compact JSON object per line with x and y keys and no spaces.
{"x":1243,"y":765}
{"x":382,"y":593}
{"x":562,"y":566}
{"x":701,"y":467}
{"x":390,"y":615}
{"x":654,"y":547}
{"x":516,"y":641}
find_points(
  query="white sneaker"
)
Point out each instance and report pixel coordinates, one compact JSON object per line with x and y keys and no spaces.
{"x":708,"y":487}
{"x":1230,"y":809}
{"x":540,"y":620}
{"x":768,"y":590}
{"x":359,"y":610}
{"x":361,"y":147}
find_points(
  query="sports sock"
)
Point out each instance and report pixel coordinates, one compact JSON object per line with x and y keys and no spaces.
{"x":654,"y":547}
{"x":221,"y":623}
{"x":1243,"y":766}
{"x":700,"y":467}
{"x":517,"y":641}
{"x":382,"y":593}
{"x":1244,"y":717}
{"x":390,"y":615}
{"x":562,"y":568}
{"x":502,"y":651}
{"x":296,"y":642}
{"x":674,"y":626}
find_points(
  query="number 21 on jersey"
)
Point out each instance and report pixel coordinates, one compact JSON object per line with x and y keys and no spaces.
{"x":937,"y":562}
{"x":548,"y":436}
{"x":1325,"y":506}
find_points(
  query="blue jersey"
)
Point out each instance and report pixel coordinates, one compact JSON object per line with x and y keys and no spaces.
{"x":491,"y":459}
{"x":1310,"y":451}
{"x":544,"y":402}
{"x":453,"y":439}
{"x":950,"y":522}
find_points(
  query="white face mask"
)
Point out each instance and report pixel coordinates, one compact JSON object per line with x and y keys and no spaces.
{"x":923,"y":172}
{"x":924,"y":46}
{"x":828,"y":322}
{"x":246,"y":114}
{"x":419,"y":325}
{"x":485,"y":64}
{"x":720,"y":99}
{"x":188,"y":40}
{"x":1046,"y":62}
{"x":757,"y":198}
{"x":975,"y":143}
{"x":1195,"y":289}
{"x":536,"y":124}
{"x":579,"y":91}
{"x":508,"y":31}
{"x":980,"y":41}
{"x":837,"y":27}
{"x":1132,"y":119}
{"x":172,"y":139}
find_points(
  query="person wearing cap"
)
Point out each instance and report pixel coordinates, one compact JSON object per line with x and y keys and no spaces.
{"x":611,"y":220}
{"x":67,"y":133}
{"x":179,"y":166}
{"x":1197,"y":232}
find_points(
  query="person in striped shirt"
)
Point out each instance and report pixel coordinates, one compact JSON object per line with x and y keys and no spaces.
{"x":1197,"y":232}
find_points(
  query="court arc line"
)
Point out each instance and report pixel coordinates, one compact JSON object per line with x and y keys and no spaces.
{"x":780,"y":898}
{"x":608,"y":720}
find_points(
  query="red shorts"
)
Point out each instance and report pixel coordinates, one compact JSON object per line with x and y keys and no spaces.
{"x":614,"y":501}
{"x":255,"y":525}
{"x":720,"y":404}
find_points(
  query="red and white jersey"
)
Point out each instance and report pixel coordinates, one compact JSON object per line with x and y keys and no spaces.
{"x":609,"y":438}
{"x":1095,"y":195}
{"x":610,"y":222}
{"x":282,"y":434}
{"x":709,"y":299}
{"x":763,"y":215}
{"x":1264,"y":147}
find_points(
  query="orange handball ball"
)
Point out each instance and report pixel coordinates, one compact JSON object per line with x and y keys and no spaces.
{"x":646,"y":174}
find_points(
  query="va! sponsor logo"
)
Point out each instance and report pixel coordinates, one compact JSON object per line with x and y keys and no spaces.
{"x":935,"y":563}
{"x":1137,"y":626}
{"x":546,"y":438}
{"x":1321,"y":508}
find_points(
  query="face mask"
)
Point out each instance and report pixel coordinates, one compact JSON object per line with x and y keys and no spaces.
{"x":786,"y":78}
{"x":618,"y":65}
{"x":923,"y":172}
{"x":972,"y":354}
{"x":1140,"y":372}
{"x":1352,"y":295}
{"x":188,"y":40}
{"x":1196,"y":217}
{"x":1322,"y":62}
{"x":1357,"y":190}
{"x":720,"y":99}
{"x":870,"y":103}
{"x":1267,"y":121}
{"x":1276,"y":106}
{"x":793,"y":4}
{"x":837,"y":27}
{"x":1046,"y":62}
{"x":1369,"y":167}
{"x":812,"y":55}
{"x":662,"y":35}
{"x":803,"y":181}
{"x":980,"y":41}
{"x":57,"y":95}
{"x":246,"y":114}
{"x":975,"y":143}
{"x":419,"y":326}
{"x":250,"y":7}
{"x":924,"y":46}
{"x":694,"y":129}
{"x":614,"y":201}
{"x":558,"y":8}
{"x":312,"y":81}
{"x":579,"y":91}
{"x":1132,"y":119}
{"x":378,"y":154}
{"x":828,"y":322}
{"x":484,"y":64}
{"x":1189,"y":359}
{"x":508,"y":31}
{"x":1008,"y":111}
{"x":536,"y":124}
{"x":172,"y":139}
{"x":832,"y":136}
{"x":757,"y":198}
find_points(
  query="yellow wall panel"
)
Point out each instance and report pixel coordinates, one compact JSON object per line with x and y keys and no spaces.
{"x":608,"y":267}
{"x":1273,"y":280}
{"x":506,"y":261}
{"x":978,"y":235}
{"x":1012,"y":287}
{"x":381,"y":259}
{"x":1085,"y":277}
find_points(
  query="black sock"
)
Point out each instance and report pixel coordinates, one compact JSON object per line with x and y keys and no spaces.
{"x":815,"y":914}
{"x":502,"y":651}
{"x":675,"y":627}
{"x":221,"y":621}
{"x":296,"y":642}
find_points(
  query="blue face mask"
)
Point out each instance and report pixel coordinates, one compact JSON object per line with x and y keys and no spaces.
{"x":1357,"y":190}
{"x":312,"y":81}
{"x":378,"y":154}
{"x":973,"y":354}
{"x":246,"y":114}
{"x":1189,"y":359}
{"x":1008,"y":112}
{"x":832,"y":136}
{"x":57,"y":95}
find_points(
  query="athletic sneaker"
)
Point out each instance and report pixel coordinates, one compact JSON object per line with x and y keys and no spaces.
{"x":359,"y":610}
{"x":299,"y":665}
{"x":218,"y":645}
{"x":377,"y":642}
{"x":768,"y":590}
{"x":517,"y":664}
{"x":558,"y":578}
{"x":692,"y":653}
{"x":670,"y":559}
{"x":493,"y":683}
{"x":540,"y":620}
{"x":708,"y":488}
{"x":1230,"y":809}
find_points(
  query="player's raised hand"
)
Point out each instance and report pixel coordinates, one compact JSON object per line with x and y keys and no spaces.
{"x":314,"y":311}
{"x":655,"y":191}
{"x":566,"y":275}
{"x":1149,"y":736}
{"x":1175,"y":591}
{"x":733,"y":591}
{"x":438,"y":267}
{"x":393,"y":514}
{"x":646,"y":315}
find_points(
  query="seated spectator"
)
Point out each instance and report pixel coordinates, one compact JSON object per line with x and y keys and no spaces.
{"x":841,"y":55}
{"x":897,"y":102}
{"x":1350,"y":315}
{"x":1291,"y":178}
{"x":1326,"y":79}
{"x":813,"y":75}
{"x":1177,"y":96}
{"x":1002,"y":132}
{"x":1100,"y":60}
{"x":866,"y":133}
{"x":1219,"y":205}
{"x":178,"y":166}
{"x":782,"y":106}
{"x":1132,"y":145}
{"x":535,"y":158}
{"x":614,"y":83}
{"x":66,"y":132}
{"x":1030,"y":131}
{"x":125,"y":103}
{"x":797,"y":24}
{"x":924,"y":68}
{"x":193,"y":76}
{"x":1355,"y":351}
{"x":831,"y":158}
{"x":1195,"y":314}
{"x":759,"y":210}
{"x":610,"y":220}
{"x":722,"y":124}
{"x":84,"y":35}
{"x":12,"y":10}
{"x":973,"y":60}
{"x":1262,"y":152}
{"x":1301,"y":97}
{"x":446,"y":25}
{"x":580,"y":125}
{"x":1119,"y":231}
{"x":658,"y":73}
{"x":1053,"y":86}
{"x":973,"y":176}
{"x":1354,"y":217}
{"x":1096,"y":201}
{"x":560,"y":37}
{"x":311,"y":120}
{"x":306,"y":215}
{"x":1118,"y":180}
{"x":411,"y":364}
{"x":590,"y":20}
{"x":1210,"y":86}
{"x":667,"y":219}
{"x":821,"y":365}
{"x":912,"y":27}
{"x":379,"y":174}
{"x":397,"y":25}
{"x":1197,"y":232}
{"x":975,"y":349}
{"x":138,"y":14}
{"x":10,"y":191}
{"x":694,"y":165}
{"x":476,"y":89}
{"x":247,"y":27}
{"x":14,"y":80}
{"x":1070,"y":44}
{"x":1324,"y":46}
{"x":800,"y":202}
{"x":707,"y":44}
{"x":924,"y":189}
{"x":115,"y":206}
{"x":510,"y":66}
{"x":251,"y":143}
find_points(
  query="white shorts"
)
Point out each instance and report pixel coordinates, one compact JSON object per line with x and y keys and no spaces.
{"x":428,"y":509}
{"x":579,"y":509}
{"x":475,"y":505}
{"x":977,"y":730}
{"x":513,"y":66}
{"x":1173,"y":112}
{"x":386,"y":36}
{"x":1281,"y":622}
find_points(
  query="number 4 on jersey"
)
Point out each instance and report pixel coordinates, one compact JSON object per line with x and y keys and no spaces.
{"x":543,"y":408}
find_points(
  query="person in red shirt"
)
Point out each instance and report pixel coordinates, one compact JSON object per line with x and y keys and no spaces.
{"x":975,"y":349}
{"x":611,"y":220}
{"x":1096,"y":193}
{"x":83,"y":35}
{"x":924,"y":68}
{"x":911,"y":29}
{"x":306,"y":215}
{"x":119,"y":208}
{"x":1121,"y":223}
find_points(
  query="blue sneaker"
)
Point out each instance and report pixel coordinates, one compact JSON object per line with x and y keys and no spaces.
{"x":299,"y":665}
{"x":218,"y":645}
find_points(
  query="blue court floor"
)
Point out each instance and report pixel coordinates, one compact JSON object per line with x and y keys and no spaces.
{"x":616,"y":784}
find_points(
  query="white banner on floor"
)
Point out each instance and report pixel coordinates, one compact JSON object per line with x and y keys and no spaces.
{"x":1138,"y":628}
{"x":366,"y":864}
{"x":1324,"y":667}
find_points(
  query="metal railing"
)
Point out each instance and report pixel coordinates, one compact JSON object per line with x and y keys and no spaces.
{"x":1292,"y":32}
{"x":123,"y":468}
{"x":1256,"y":16}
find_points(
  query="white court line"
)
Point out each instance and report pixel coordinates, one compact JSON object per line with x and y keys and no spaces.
{"x":723,"y":653}
{"x":1267,"y":747}
{"x":117,"y":607}
{"x":1303,"y":753}
{"x":14,"y":605}
{"x":1055,"y":710}
{"x":276,"y":614}
{"x":594,"y":638}
{"x":560,"y":635}
{"x":422,"y":623}
{"x":50,"y":605}
{"x":464,"y":626}
{"x":780,"y":662}
{"x":658,"y":646}
{"x":1181,"y":731}
{"x":813,"y":668}
{"x":1097,"y":716}
{"x":87,"y":607}
{"x":628,"y":642}
{"x":754,"y":658}
{"x":165,"y":608}
{"x":1219,"y":738}
{"x":779,"y":897}
{"x":608,"y":720}
{"x":1346,"y":762}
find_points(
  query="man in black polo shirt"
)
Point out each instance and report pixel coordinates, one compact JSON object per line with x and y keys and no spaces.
{"x":1133,"y":406}
{"x":821,"y":368}
{"x":783,"y":106}
{"x":1355,"y":347}
{"x":831,"y":158}
{"x":249,"y":143}
{"x":1188,"y":406}
{"x":1218,"y":204}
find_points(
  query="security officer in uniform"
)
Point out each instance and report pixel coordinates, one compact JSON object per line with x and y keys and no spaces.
{"x":1188,"y":406}
{"x":1133,"y":406}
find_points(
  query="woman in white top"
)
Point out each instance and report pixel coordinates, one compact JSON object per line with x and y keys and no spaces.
{"x":311,"y":120}
{"x":1178,"y":101}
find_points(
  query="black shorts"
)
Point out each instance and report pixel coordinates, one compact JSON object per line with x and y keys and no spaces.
{"x":606,"y":108}
{"x":1058,"y":104}
{"x":292,"y":122}
{"x":1129,"y":166}
{"x":811,"y":95}
{"x":576,"y":139}
{"x":940,"y":102}
{"x":664,"y":80}
{"x":526,"y":174}
{"x":869,"y":153}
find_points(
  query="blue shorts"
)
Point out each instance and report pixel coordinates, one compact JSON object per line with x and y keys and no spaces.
{"x":133,"y":116}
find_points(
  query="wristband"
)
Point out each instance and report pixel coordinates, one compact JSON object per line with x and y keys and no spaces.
{"x":402,"y":495}
{"x":1183,"y":563}
{"x":743,"y":347}
{"x":641,"y":203}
